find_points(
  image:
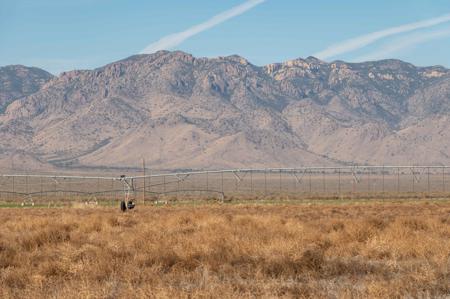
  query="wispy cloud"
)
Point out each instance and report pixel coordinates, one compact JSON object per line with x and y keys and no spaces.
{"x":404,"y":43}
{"x":367,"y":39}
{"x":170,"y":41}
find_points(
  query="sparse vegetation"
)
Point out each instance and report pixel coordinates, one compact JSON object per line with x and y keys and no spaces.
{"x":375,"y":250}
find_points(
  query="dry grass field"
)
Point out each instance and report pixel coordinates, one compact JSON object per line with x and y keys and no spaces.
{"x":358,"y":250}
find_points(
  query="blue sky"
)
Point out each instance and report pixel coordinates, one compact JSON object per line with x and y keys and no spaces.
{"x":60,"y":35}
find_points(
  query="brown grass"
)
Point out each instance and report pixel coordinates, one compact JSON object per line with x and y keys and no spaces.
{"x":224,"y":251}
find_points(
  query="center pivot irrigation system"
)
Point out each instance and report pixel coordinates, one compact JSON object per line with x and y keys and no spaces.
{"x":128,"y":184}
{"x":26,"y":191}
{"x":302,"y":182}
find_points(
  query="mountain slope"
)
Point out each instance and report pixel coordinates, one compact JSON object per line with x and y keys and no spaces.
{"x":17,"y":81}
{"x":178,"y":111}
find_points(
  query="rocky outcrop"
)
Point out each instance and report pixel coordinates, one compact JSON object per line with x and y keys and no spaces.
{"x":17,"y":81}
{"x":179,"y":111}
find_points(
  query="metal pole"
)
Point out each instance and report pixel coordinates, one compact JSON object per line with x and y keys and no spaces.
{"x":150,"y":182}
{"x":382,"y":175}
{"x":398,"y":180}
{"x":69,"y":182}
{"x":443,"y":179}
{"x":164,"y":184}
{"x":339,"y":182}
{"x":26,"y":185}
{"x":413,"y":179}
{"x":98,"y":188}
{"x":280,"y":180}
{"x":13,"y":170}
{"x":295,"y":180}
{"x":42,"y":195}
{"x":113,"y":193}
{"x":143,"y":193}
{"x":368,"y":180}
{"x":323,"y":181}
{"x":55,"y":196}
{"x":46,"y":191}
{"x":251,"y":181}
{"x":64,"y":189}
{"x":13,"y":188}
{"x":68,"y":189}
{"x":353,"y":183}
{"x":134,"y":189}
{"x":265,"y":181}
{"x":310,"y":187}
{"x":222,"y":180}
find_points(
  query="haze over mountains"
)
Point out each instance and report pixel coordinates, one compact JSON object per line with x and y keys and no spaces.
{"x":178,"y":111}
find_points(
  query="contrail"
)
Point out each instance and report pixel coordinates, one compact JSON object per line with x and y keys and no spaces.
{"x":364,"y":40}
{"x":173,"y":40}
{"x":404,"y":43}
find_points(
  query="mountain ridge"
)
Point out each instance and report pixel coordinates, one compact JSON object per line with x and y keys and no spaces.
{"x":179,"y":111}
{"x":17,"y":81}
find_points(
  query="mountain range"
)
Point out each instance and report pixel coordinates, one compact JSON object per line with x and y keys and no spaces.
{"x":178,"y":111}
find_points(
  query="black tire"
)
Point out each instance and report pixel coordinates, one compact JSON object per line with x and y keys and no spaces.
{"x":130,"y":205}
{"x":123,"y":206}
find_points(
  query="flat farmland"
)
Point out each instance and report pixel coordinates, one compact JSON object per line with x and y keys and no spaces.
{"x":328,"y":250}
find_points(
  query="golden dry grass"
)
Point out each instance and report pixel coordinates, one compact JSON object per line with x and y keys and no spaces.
{"x":227,"y":251}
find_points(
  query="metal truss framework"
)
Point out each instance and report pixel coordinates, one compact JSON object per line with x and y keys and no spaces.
{"x":301,"y":180}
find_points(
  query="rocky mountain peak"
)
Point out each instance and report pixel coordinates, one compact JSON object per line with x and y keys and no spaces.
{"x":179,"y":111}
{"x":17,"y":81}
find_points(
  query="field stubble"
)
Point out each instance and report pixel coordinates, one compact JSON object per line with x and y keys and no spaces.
{"x":332,"y":251}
